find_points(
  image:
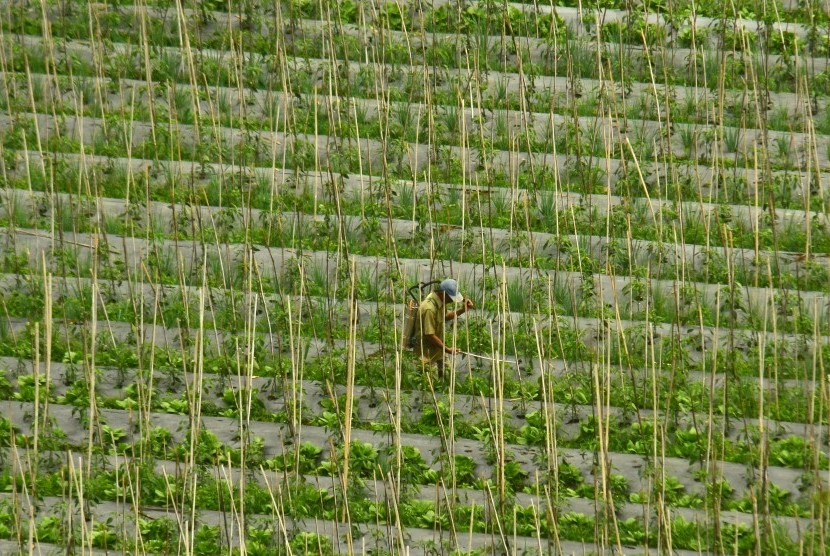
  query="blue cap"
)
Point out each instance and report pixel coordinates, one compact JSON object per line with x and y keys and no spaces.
{"x":450,"y":287}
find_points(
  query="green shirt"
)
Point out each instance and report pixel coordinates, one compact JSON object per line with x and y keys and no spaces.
{"x":431,"y":316}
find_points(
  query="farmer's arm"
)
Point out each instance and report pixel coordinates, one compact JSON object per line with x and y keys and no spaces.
{"x":468,"y":304}
{"x":440,"y":343}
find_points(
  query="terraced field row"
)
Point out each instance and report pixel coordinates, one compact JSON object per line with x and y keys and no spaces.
{"x":364,"y":120}
{"x":157,"y":220}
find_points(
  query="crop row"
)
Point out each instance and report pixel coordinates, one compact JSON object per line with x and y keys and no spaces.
{"x":458,"y":416}
{"x":260,"y":208}
{"x":529,"y":411}
{"x":586,"y":97}
{"x":805,"y":12}
{"x":368,"y":462}
{"x":565,"y":93}
{"x":551,"y":28}
{"x":144,"y":258}
{"x":363,"y":80}
{"x":210,"y":450}
{"x":469,"y":468}
{"x":372,"y":458}
{"x":576,"y":287}
{"x":798,"y":14}
{"x":405,"y":83}
{"x":105,"y":527}
{"x":576,"y":389}
{"x":297,"y":35}
{"x":312,"y":324}
{"x":235,"y":328}
{"x":555,"y":294}
{"x":357,"y":120}
{"x":288,"y":270}
{"x":302,"y":153}
{"x":557,"y":339}
{"x":303,"y":229}
{"x":270,"y":531}
{"x":538,"y":20}
{"x":155,"y":532}
{"x":316,"y":192}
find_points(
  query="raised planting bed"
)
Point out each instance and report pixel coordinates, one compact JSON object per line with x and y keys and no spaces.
{"x":790,"y":234}
{"x":782,"y":49}
{"x":266,"y":441}
{"x":736,"y":177}
{"x":441,"y":409}
{"x":302,"y":151}
{"x":558,"y":292}
{"x":158,"y":220}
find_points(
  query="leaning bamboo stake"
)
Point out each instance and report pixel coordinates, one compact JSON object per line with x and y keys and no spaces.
{"x":243,"y":398}
{"x":602,"y":385}
{"x":195,"y":399}
{"x":33,"y":458}
{"x":277,"y":503}
{"x":76,"y":485}
{"x":94,"y":417}
{"x":350,"y":374}
{"x":396,"y":418}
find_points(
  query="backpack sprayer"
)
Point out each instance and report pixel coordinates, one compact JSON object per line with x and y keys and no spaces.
{"x":408,"y":338}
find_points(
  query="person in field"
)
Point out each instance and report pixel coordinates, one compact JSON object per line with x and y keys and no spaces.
{"x":429,"y":323}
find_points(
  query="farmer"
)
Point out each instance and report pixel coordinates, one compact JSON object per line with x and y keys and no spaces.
{"x":429,"y":325}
